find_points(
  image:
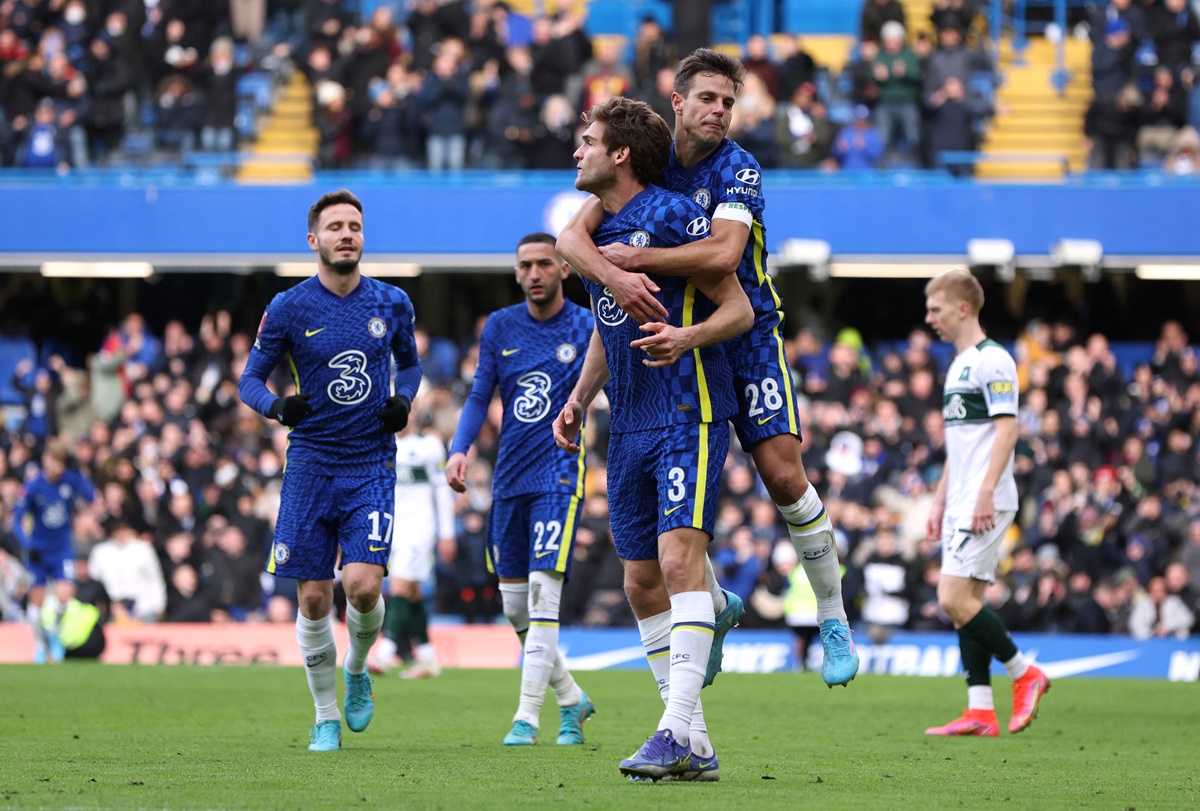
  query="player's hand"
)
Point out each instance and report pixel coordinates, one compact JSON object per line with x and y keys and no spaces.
{"x":456,"y":472}
{"x":566,"y":427}
{"x":290,"y":410}
{"x":933,"y":526}
{"x":984,"y":517}
{"x":634,"y":293}
{"x":664,"y":344}
{"x":34,"y":556}
{"x":395,"y":415}
{"x":623,"y":256}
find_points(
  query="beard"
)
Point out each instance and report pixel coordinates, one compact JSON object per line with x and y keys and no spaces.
{"x":342,"y":267}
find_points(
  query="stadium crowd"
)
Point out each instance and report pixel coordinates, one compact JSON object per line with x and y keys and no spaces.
{"x":187,"y":480}
{"x":448,"y":84}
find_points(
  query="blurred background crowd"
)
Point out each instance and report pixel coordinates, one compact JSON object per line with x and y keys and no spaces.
{"x":1107,"y":540}
{"x":451,"y":84}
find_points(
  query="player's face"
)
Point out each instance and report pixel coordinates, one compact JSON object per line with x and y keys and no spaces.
{"x":52,"y":468}
{"x":705,"y":114}
{"x":540,"y":272}
{"x":339,"y":238}
{"x":596,"y":167}
{"x":944,"y":315}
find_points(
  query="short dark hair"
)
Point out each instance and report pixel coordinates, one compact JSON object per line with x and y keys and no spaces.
{"x":328,"y":199}
{"x":538,"y":236}
{"x":634,"y":124}
{"x":706,"y":60}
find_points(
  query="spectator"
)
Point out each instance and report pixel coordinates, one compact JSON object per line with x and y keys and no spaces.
{"x":128,"y":568}
{"x":1101,"y":17}
{"x":390,"y":130}
{"x":1175,"y":29}
{"x":218,"y":83}
{"x":1158,"y":614}
{"x":1183,"y":152}
{"x":758,"y":61}
{"x":859,"y":146}
{"x":803,"y":133}
{"x":605,"y":76}
{"x":1110,"y":129}
{"x":1163,"y":113}
{"x":444,"y":96}
{"x":898,"y":75}
{"x":796,"y":67}
{"x":652,"y":53}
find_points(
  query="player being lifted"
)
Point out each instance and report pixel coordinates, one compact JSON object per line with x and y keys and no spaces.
{"x":725,"y":180}
{"x":670,"y":394}
{"x":425,"y":520}
{"x":976,"y":501}
{"x":533,"y":352}
{"x":339,"y":332}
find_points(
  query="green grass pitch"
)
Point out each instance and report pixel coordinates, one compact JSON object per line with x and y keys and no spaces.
{"x":100,"y":737}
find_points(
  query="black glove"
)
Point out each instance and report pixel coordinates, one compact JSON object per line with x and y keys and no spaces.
{"x":290,"y":410}
{"x":34,"y":556}
{"x":395,"y":415}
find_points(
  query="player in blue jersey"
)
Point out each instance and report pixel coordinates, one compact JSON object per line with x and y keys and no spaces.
{"x":533,"y":352}
{"x":339,"y":332}
{"x":49,"y":502}
{"x":670,"y":393}
{"x":726,"y":181}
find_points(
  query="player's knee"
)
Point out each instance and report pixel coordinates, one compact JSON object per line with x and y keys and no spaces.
{"x":545,"y":594}
{"x":785,"y":483}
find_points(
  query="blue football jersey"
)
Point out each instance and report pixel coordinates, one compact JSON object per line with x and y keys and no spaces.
{"x":728,"y":183}
{"x":696,"y":388}
{"x":339,"y":350}
{"x":52,"y":507}
{"x":535,"y":364}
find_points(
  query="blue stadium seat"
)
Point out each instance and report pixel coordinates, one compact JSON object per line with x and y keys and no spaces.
{"x":257,"y":86}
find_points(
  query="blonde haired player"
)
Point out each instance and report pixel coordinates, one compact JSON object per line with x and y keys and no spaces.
{"x":976,"y":502}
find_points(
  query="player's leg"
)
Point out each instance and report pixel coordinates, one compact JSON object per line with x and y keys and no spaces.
{"x":395,"y":622}
{"x":781,"y":467}
{"x":552,"y":522}
{"x":768,"y":424}
{"x":33,"y":614}
{"x":652,"y":606}
{"x":508,"y":556}
{"x":305,"y":549}
{"x":425,"y":662}
{"x":968,"y":565}
{"x":64,"y":592}
{"x":411,"y":567}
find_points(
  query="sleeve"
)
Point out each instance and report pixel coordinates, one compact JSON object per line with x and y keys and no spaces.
{"x":18,"y":522}
{"x":738,"y":194}
{"x":152,"y":601}
{"x":270,"y":344}
{"x":443,"y":496}
{"x":404,"y":350}
{"x":686,"y":222}
{"x":998,"y":376}
{"x":83,"y":487}
{"x":476,"y":407}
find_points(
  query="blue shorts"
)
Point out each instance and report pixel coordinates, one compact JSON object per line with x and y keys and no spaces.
{"x":532,"y":532}
{"x":52,"y":568}
{"x":763,"y":381}
{"x":320,"y":514}
{"x":663,"y":480}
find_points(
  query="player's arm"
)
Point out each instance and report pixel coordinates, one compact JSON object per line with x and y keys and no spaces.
{"x":269,"y":346}
{"x":665,"y":344}
{"x":404,"y":350}
{"x":937,"y":509}
{"x":83,"y":487}
{"x":592,"y":378}
{"x":443,"y":499}
{"x":984,"y":517}
{"x":473,"y":414}
{"x":717,"y":256}
{"x":634,"y":293}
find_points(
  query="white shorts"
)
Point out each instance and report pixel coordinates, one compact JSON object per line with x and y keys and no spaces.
{"x":412,"y":556}
{"x":965,"y":554}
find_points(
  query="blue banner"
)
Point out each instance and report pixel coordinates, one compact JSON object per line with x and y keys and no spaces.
{"x":909,"y":654}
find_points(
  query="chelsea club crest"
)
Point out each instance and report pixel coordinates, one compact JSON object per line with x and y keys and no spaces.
{"x":639,"y":239}
{"x":565,"y":353}
{"x":702,"y":198}
{"x":376,"y":327}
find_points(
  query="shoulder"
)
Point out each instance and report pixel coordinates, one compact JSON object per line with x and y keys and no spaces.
{"x":993,"y":354}
{"x":385,"y":291}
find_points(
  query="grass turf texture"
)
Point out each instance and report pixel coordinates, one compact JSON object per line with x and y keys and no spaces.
{"x":92,"y":736}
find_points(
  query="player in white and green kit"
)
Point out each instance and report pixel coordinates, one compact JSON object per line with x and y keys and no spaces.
{"x":976,"y":502}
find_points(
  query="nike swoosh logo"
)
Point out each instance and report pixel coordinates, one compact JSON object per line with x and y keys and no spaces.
{"x":1083,"y":664}
{"x":376,"y":548}
{"x":507,"y":352}
{"x":542,"y":554}
{"x":673,"y":509}
{"x":768,"y":419}
{"x":308,"y":333}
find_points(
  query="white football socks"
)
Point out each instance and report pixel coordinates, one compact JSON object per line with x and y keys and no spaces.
{"x":692,"y":618}
{"x":812,"y":535}
{"x":364,"y":630}
{"x":656,"y":640}
{"x":320,"y":664}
